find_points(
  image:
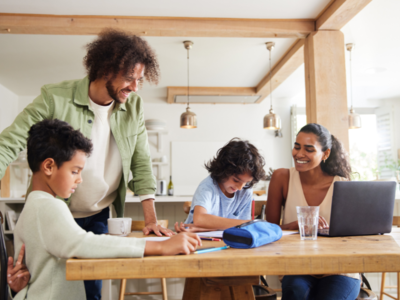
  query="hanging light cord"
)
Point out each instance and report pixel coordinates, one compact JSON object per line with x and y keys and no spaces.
{"x":351,"y":83}
{"x":270,"y":76}
{"x":188,"y":78}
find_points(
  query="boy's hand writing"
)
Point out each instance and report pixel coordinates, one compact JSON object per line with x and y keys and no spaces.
{"x":17,"y":276}
{"x":183,"y":243}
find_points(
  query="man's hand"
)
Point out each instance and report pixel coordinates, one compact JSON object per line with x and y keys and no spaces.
{"x":157,"y":229}
{"x":18,"y":276}
{"x":190,"y":228}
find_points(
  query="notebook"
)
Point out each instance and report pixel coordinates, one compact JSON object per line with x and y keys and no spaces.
{"x":361,"y":208}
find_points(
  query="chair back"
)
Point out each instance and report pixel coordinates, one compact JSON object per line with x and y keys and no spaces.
{"x":396,"y":221}
{"x":139,"y":225}
{"x":3,"y":268}
{"x":186,"y":206}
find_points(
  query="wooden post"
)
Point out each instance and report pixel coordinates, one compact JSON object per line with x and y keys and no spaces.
{"x":325,"y":74}
{"x":5,"y":184}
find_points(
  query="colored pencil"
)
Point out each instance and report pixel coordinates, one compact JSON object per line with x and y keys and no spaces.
{"x":206,"y":238}
{"x":200,"y":251}
{"x":253,"y":206}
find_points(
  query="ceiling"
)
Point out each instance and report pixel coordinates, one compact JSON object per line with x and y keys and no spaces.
{"x":262,"y":9}
{"x":29,"y":61}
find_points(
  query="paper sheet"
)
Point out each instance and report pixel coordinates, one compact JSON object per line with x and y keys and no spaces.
{"x":157,"y":238}
{"x":214,"y":234}
{"x":288,"y":232}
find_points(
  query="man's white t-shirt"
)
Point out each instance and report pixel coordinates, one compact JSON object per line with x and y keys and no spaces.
{"x":103,"y":169}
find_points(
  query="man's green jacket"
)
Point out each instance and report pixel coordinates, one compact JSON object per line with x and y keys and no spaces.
{"x":69,"y":101}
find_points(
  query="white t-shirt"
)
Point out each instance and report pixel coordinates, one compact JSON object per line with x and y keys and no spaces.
{"x":103,"y":169}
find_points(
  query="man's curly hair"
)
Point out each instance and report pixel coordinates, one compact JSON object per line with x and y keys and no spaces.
{"x":237,"y":157}
{"x":114,"y":51}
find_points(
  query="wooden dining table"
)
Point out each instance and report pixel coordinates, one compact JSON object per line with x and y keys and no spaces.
{"x":230,"y":274}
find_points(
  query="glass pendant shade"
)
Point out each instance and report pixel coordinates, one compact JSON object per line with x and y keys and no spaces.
{"x":354,"y":120}
{"x":272,"y":121}
{"x":188,"y":119}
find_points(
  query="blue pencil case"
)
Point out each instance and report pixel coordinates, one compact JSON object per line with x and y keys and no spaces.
{"x":252,"y":234}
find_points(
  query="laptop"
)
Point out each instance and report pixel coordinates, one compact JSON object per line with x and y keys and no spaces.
{"x":361,"y":208}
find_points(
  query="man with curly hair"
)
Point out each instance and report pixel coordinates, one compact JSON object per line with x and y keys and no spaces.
{"x":104,"y":106}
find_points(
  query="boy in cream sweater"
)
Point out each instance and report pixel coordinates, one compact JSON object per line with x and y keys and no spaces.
{"x":56,"y":156}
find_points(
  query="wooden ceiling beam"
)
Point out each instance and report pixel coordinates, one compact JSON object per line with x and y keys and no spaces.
{"x":173,"y":91}
{"x":156,"y":26}
{"x":289,"y":63}
{"x":339,"y":13}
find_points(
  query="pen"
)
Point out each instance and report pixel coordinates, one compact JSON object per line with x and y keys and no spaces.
{"x":210,"y":239}
{"x":210,"y":250}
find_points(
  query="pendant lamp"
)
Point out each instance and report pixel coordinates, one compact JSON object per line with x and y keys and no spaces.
{"x":188,"y":118}
{"x":354,"y":119}
{"x":271,"y":121}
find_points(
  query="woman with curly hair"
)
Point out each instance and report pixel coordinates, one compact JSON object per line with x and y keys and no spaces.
{"x":319,"y":160}
{"x":223,"y":199}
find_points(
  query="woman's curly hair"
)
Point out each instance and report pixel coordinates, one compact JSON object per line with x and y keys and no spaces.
{"x":116,"y":50}
{"x":337,"y":164}
{"x":237,"y":157}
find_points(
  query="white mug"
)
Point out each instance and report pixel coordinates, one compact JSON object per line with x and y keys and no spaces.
{"x":119,"y":226}
{"x":163,"y":159}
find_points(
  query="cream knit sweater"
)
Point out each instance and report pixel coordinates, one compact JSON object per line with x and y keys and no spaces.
{"x":51,"y":236}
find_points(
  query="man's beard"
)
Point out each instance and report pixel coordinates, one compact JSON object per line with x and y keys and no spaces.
{"x":113,"y":93}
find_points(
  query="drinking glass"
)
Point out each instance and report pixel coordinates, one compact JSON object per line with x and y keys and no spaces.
{"x":307,"y":217}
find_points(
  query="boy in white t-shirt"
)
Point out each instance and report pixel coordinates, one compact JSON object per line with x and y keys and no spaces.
{"x":56,"y":155}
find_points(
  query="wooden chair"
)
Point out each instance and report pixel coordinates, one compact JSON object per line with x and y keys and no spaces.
{"x":138,"y":226}
{"x":3,"y":257}
{"x":257,"y":208}
{"x":396,"y":222}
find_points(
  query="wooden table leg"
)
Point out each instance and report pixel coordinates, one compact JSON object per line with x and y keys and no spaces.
{"x":224,"y":288}
{"x":242,"y":292}
{"x":192,"y":289}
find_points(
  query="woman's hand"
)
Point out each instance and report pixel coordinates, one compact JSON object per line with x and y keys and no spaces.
{"x":322,"y":223}
{"x":290,"y":226}
{"x":17,"y":276}
{"x":190,"y":228}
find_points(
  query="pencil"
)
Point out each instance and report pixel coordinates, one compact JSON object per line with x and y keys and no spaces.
{"x":210,"y":250}
{"x":209,"y":239}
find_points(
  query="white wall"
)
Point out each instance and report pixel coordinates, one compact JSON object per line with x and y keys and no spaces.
{"x":223,"y":122}
{"x":395,"y":103}
{"x":9,"y":107}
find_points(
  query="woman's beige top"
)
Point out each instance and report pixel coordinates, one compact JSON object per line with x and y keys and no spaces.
{"x":295,"y":197}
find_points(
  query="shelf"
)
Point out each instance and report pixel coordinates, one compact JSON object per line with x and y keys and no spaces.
{"x":13,"y":200}
{"x":159,"y":134}
{"x":156,"y":163}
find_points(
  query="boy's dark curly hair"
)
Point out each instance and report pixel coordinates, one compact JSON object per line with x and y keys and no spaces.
{"x":237,"y":157}
{"x":337,"y":164}
{"x":116,"y":50}
{"x":57,"y":140}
